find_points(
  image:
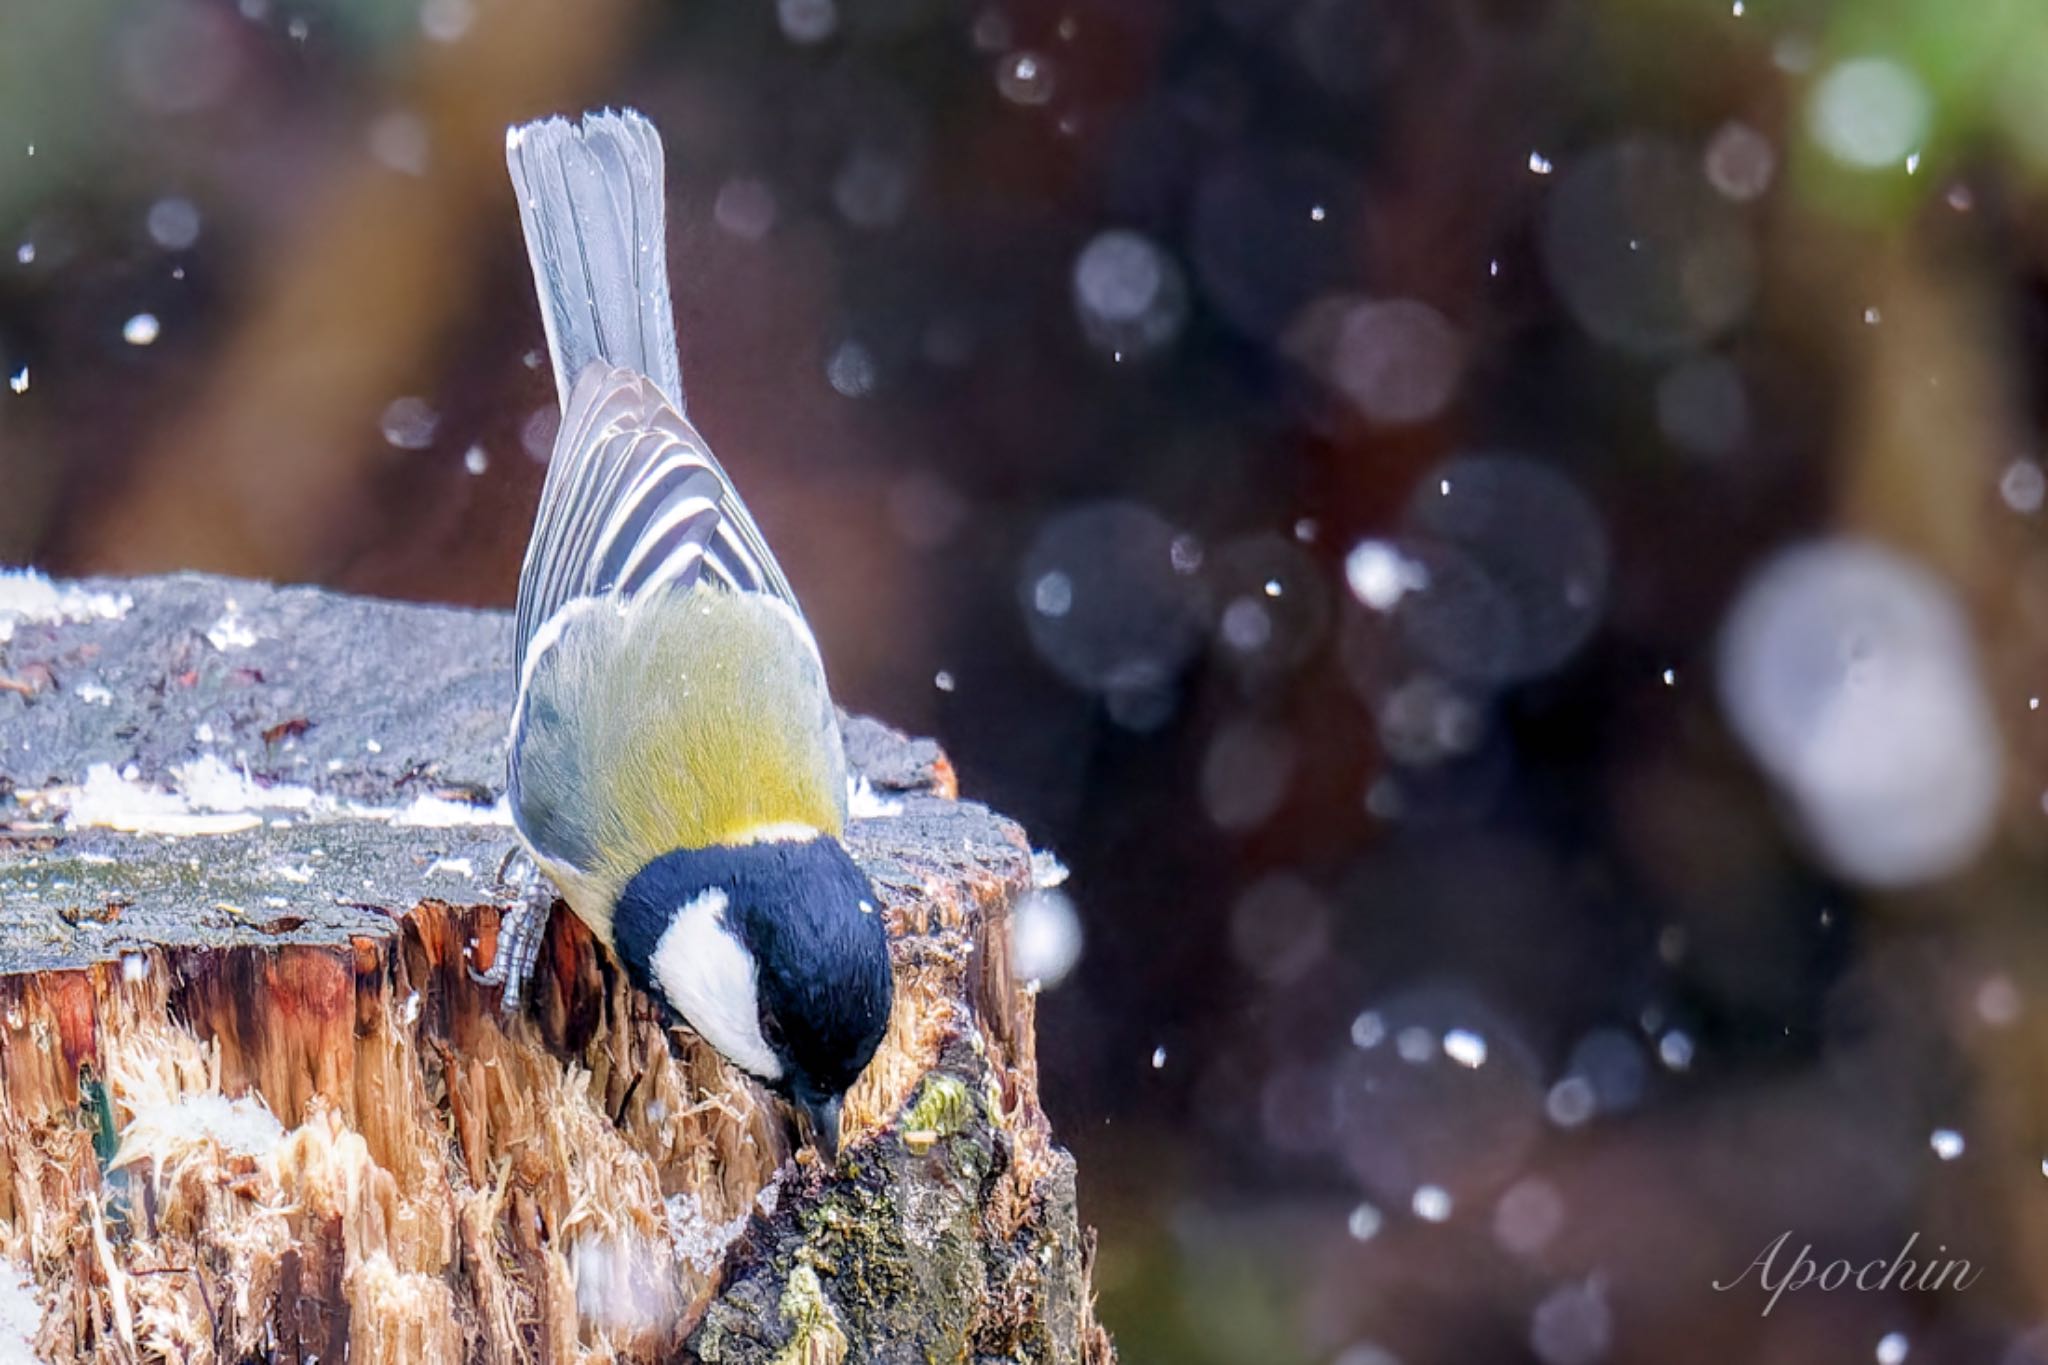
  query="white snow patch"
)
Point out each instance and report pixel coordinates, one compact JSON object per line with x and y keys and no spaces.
{"x":109,"y":801}
{"x":1047,"y":871}
{"x":30,"y":598}
{"x":210,"y":797}
{"x":701,"y":1243}
{"x":698,"y":1241}
{"x":437,"y":812}
{"x":21,"y":1315}
{"x":208,"y":783}
{"x":92,"y":694}
{"x":231,"y":632}
{"x":207,"y":797}
{"x":453,"y":867}
{"x":863,"y":804}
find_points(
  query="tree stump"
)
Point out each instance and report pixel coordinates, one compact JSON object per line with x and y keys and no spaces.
{"x":253,"y":1105}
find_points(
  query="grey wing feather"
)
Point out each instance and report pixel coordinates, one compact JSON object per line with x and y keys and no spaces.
{"x":634,"y":497}
{"x":634,"y":503}
{"x":591,"y":202}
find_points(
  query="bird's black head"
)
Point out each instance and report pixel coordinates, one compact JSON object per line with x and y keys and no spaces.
{"x":775,"y":953}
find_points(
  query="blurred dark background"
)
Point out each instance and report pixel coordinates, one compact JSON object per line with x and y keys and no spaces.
{"x":1499,"y":539}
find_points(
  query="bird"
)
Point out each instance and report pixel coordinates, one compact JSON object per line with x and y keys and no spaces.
{"x":675,"y":764}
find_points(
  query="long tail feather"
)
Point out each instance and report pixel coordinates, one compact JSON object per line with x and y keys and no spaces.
{"x":590,"y":198}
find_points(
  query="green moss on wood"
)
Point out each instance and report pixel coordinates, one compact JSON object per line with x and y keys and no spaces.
{"x":815,"y":1337}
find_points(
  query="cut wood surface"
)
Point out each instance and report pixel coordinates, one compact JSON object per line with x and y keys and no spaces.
{"x":254,"y":1107}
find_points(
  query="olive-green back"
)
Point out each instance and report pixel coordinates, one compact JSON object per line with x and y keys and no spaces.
{"x":679,"y":720}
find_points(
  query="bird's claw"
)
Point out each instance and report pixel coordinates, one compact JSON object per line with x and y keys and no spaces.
{"x":521,"y":927}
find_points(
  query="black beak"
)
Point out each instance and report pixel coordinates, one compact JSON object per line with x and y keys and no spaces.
{"x":822,"y":1118}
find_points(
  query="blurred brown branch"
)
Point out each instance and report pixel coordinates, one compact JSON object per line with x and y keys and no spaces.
{"x":256,"y":474}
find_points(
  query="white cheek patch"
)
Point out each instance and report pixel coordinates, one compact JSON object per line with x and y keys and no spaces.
{"x":709,"y":978}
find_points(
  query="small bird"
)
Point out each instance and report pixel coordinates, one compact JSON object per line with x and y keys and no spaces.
{"x":676,"y":767}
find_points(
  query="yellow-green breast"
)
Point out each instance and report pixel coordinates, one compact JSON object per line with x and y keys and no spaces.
{"x":682,"y":721}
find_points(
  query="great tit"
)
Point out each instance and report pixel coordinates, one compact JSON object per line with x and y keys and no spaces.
{"x":676,"y":767}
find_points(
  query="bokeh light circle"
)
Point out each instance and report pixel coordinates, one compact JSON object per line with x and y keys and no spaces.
{"x":1645,"y":253}
{"x":1851,"y":676}
{"x":1869,"y":112}
{"x":1516,"y":563}
{"x":1104,"y":604}
{"x":1129,"y":294}
{"x":1412,"y":1117}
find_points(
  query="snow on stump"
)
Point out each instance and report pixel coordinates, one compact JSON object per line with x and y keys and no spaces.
{"x":253,"y":1106}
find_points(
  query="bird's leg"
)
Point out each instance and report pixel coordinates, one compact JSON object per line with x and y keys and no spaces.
{"x":521,"y":927}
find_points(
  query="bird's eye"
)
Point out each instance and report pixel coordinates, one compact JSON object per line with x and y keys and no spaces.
{"x":771,"y":1030}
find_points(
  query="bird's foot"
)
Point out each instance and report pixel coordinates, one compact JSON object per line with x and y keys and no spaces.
{"x":521,"y":927}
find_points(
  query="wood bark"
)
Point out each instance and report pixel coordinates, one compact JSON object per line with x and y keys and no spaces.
{"x":253,"y":1106}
